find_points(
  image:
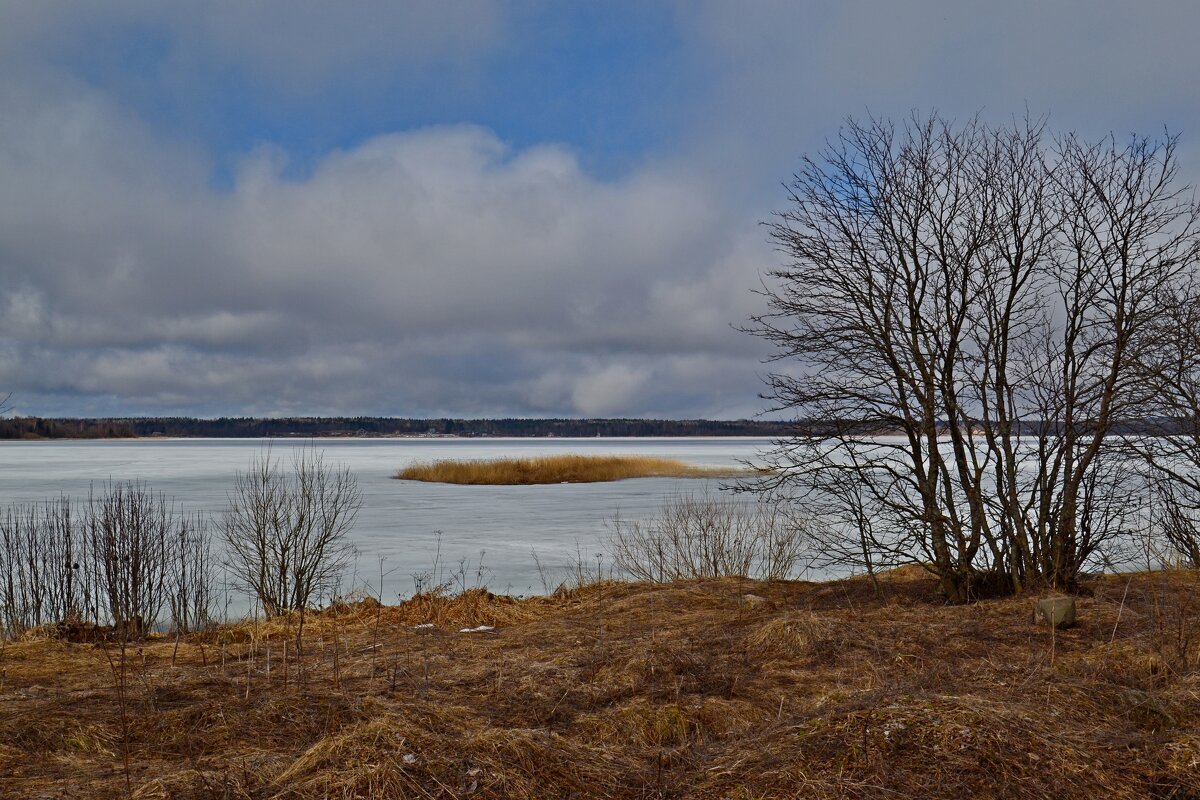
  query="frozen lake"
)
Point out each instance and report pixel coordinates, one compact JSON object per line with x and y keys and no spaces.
{"x":400,"y":521}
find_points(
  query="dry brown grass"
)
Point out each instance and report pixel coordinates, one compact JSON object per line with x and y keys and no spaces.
{"x":635,"y":691}
{"x":557,"y":469}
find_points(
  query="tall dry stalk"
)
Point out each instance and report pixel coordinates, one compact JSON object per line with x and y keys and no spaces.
{"x":117,"y":669}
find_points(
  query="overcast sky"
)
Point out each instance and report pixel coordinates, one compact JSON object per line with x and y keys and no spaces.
{"x":472,"y":208}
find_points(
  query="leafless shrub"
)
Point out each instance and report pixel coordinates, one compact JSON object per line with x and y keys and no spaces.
{"x":286,"y":533}
{"x":128,"y":554}
{"x":584,"y":568}
{"x":1177,"y":517}
{"x":43,"y":574}
{"x":1173,"y":454}
{"x":190,"y":579}
{"x":708,"y":537}
{"x":132,"y":534}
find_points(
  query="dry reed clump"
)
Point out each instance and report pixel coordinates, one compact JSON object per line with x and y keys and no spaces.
{"x":557,"y":469}
{"x":40,"y":632}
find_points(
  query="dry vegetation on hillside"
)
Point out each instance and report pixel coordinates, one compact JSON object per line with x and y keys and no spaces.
{"x":632,"y":690}
{"x":557,"y":469}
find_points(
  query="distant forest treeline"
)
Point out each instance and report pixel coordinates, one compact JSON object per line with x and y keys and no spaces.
{"x":252,"y":427}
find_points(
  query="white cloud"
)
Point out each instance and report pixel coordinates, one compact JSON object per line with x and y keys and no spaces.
{"x":431,"y":271}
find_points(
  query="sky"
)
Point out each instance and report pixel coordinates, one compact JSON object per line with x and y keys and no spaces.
{"x":473,"y":209}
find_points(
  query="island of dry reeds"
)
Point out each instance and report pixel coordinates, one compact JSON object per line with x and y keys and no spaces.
{"x":568,"y":468}
{"x":722,"y":688}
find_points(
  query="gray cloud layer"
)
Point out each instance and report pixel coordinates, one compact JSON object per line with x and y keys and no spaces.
{"x":440,"y":270}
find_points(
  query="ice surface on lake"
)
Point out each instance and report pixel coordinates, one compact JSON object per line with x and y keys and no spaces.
{"x":400,"y":520}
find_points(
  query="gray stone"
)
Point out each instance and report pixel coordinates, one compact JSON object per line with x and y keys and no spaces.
{"x":1057,"y":612}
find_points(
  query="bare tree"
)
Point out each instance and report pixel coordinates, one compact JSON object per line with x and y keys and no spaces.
{"x":967,"y":308}
{"x":286,"y":533}
{"x":1128,"y":247}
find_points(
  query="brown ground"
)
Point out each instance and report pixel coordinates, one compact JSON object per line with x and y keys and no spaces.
{"x":633,"y":690}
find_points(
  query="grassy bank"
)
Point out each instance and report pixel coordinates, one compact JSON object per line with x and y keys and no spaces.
{"x":631,"y":691}
{"x":556,"y":469}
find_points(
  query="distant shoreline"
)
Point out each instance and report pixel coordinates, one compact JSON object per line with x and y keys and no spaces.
{"x":83,"y":428}
{"x":357,"y":438}
{"x":38,"y":428}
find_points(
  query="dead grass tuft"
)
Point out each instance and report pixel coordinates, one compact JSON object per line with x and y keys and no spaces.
{"x":373,"y":759}
{"x":796,"y":636}
{"x":557,"y":469}
{"x":650,"y":725}
{"x":470,"y":608}
{"x":194,"y":784}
